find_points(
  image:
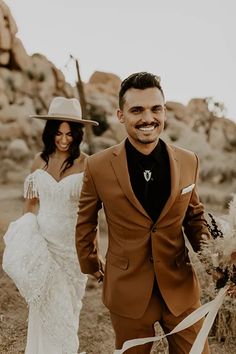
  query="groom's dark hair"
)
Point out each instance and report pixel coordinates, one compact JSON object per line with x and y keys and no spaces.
{"x":141,"y":81}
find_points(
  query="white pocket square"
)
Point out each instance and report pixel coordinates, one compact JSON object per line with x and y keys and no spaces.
{"x":187,"y":189}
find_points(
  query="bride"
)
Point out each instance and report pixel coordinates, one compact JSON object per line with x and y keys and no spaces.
{"x":40,"y":253}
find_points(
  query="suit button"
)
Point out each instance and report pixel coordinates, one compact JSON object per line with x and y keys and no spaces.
{"x":151,"y":259}
{"x":154,"y":229}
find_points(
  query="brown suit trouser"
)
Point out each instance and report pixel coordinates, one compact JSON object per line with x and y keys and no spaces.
{"x":179,"y":343}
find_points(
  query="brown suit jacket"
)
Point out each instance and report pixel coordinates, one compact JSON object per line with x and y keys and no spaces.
{"x":139,"y":250}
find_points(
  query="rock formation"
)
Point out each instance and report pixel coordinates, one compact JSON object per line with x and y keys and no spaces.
{"x":28,"y":83}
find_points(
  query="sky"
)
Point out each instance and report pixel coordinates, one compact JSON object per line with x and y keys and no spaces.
{"x":190,"y":44}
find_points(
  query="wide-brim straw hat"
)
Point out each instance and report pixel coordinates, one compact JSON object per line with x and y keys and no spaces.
{"x":65,"y":109}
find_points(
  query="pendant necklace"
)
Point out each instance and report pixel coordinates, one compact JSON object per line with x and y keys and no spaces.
{"x":147,"y":172}
{"x":147,"y":175}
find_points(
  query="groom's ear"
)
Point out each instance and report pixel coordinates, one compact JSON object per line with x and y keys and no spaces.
{"x":120,"y":115}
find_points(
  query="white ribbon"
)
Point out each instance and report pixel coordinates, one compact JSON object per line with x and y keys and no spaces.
{"x":210,"y":309}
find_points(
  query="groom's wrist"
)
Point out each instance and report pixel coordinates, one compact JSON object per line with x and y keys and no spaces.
{"x":99,"y":275}
{"x":100,"y":279}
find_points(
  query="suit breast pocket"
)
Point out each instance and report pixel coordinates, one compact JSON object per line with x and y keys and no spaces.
{"x":117,"y":261}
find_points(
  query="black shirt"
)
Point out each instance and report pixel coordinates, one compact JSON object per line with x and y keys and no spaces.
{"x":153,"y":191}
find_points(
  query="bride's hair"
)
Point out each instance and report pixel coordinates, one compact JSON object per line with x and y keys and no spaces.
{"x":48,"y":138}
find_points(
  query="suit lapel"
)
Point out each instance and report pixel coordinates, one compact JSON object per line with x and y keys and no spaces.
{"x":119,"y":164}
{"x":175,"y":179}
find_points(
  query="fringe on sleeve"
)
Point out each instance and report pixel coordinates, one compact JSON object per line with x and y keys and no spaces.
{"x":30,"y":187}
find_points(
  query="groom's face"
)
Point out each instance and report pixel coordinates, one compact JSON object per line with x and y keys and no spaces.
{"x":143,"y":115}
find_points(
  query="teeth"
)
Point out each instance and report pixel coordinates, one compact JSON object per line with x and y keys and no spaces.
{"x":146,"y":129}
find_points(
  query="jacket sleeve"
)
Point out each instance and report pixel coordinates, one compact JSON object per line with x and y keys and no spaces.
{"x":195,"y":224}
{"x":87,"y":225}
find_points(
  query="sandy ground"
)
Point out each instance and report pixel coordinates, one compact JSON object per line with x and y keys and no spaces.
{"x":96,"y":334}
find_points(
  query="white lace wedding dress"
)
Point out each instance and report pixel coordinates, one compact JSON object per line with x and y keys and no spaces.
{"x":41,"y":258}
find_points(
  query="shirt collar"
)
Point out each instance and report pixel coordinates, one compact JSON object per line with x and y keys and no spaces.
{"x":156,"y":153}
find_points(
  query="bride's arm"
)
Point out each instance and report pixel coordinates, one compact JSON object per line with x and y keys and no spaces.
{"x":30,"y":205}
{"x":30,"y":189}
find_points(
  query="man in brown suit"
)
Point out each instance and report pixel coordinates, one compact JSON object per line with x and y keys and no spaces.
{"x":148,"y":191}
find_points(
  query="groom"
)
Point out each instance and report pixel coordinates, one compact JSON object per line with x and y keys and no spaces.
{"x":148,"y":191}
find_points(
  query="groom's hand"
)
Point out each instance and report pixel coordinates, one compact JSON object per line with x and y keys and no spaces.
{"x":99,"y":276}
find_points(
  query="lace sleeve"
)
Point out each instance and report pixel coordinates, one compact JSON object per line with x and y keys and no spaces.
{"x":30,"y":187}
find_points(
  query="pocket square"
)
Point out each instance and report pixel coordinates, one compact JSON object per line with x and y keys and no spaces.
{"x":187,"y":189}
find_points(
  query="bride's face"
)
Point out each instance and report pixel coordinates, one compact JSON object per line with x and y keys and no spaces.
{"x":63,"y":137}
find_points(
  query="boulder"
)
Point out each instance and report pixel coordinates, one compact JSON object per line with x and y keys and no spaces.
{"x":20,"y":59}
{"x":105,"y":82}
{"x":9,"y":21}
{"x":178,"y":109}
{"x":18,"y":150}
{"x":4,"y":58}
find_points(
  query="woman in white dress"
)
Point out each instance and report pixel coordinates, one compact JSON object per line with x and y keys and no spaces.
{"x":40,"y":253}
